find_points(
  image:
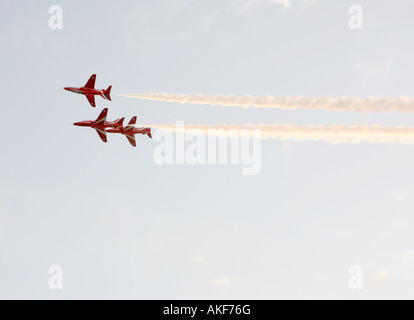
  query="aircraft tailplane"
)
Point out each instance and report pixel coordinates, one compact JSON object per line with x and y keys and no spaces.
{"x":107,"y":93}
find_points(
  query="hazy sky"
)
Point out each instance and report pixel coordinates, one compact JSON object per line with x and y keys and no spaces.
{"x":121,"y":226}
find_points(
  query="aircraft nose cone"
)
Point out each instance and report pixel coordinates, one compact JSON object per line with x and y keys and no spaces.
{"x":78,"y":124}
{"x":66,"y":88}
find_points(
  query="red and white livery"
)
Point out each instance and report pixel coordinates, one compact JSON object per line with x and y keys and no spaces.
{"x":101,"y":125}
{"x":90,"y":92}
{"x":130,"y":131}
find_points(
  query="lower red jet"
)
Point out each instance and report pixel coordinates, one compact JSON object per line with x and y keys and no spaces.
{"x":130,"y":131}
{"x":90,"y":92}
{"x":100,"y":124}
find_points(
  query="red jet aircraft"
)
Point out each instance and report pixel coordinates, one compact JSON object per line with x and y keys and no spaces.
{"x":100,"y":125}
{"x":90,"y":92}
{"x":130,"y":131}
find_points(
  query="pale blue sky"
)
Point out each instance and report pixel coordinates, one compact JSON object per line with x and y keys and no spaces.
{"x":123,"y":227}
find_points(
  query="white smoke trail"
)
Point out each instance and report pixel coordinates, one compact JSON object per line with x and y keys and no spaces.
{"x":330,"y":134}
{"x":354,"y":104}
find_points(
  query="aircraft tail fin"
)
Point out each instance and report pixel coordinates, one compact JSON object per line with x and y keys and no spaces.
{"x":107,"y":93}
{"x":149,"y":133}
{"x":120,"y":122}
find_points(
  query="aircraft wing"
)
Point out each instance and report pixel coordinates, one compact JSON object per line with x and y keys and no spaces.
{"x":131,"y":139}
{"x":91,"y":99}
{"x":91,"y":82}
{"x":102,"y":117}
{"x":102,"y":134}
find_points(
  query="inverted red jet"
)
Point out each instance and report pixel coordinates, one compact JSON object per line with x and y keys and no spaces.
{"x":90,"y":92}
{"x":130,"y":131}
{"x":100,"y":124}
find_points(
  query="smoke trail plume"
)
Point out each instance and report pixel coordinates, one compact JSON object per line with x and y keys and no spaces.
{"x":325,"y":133}
{"x":354,"y":104}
